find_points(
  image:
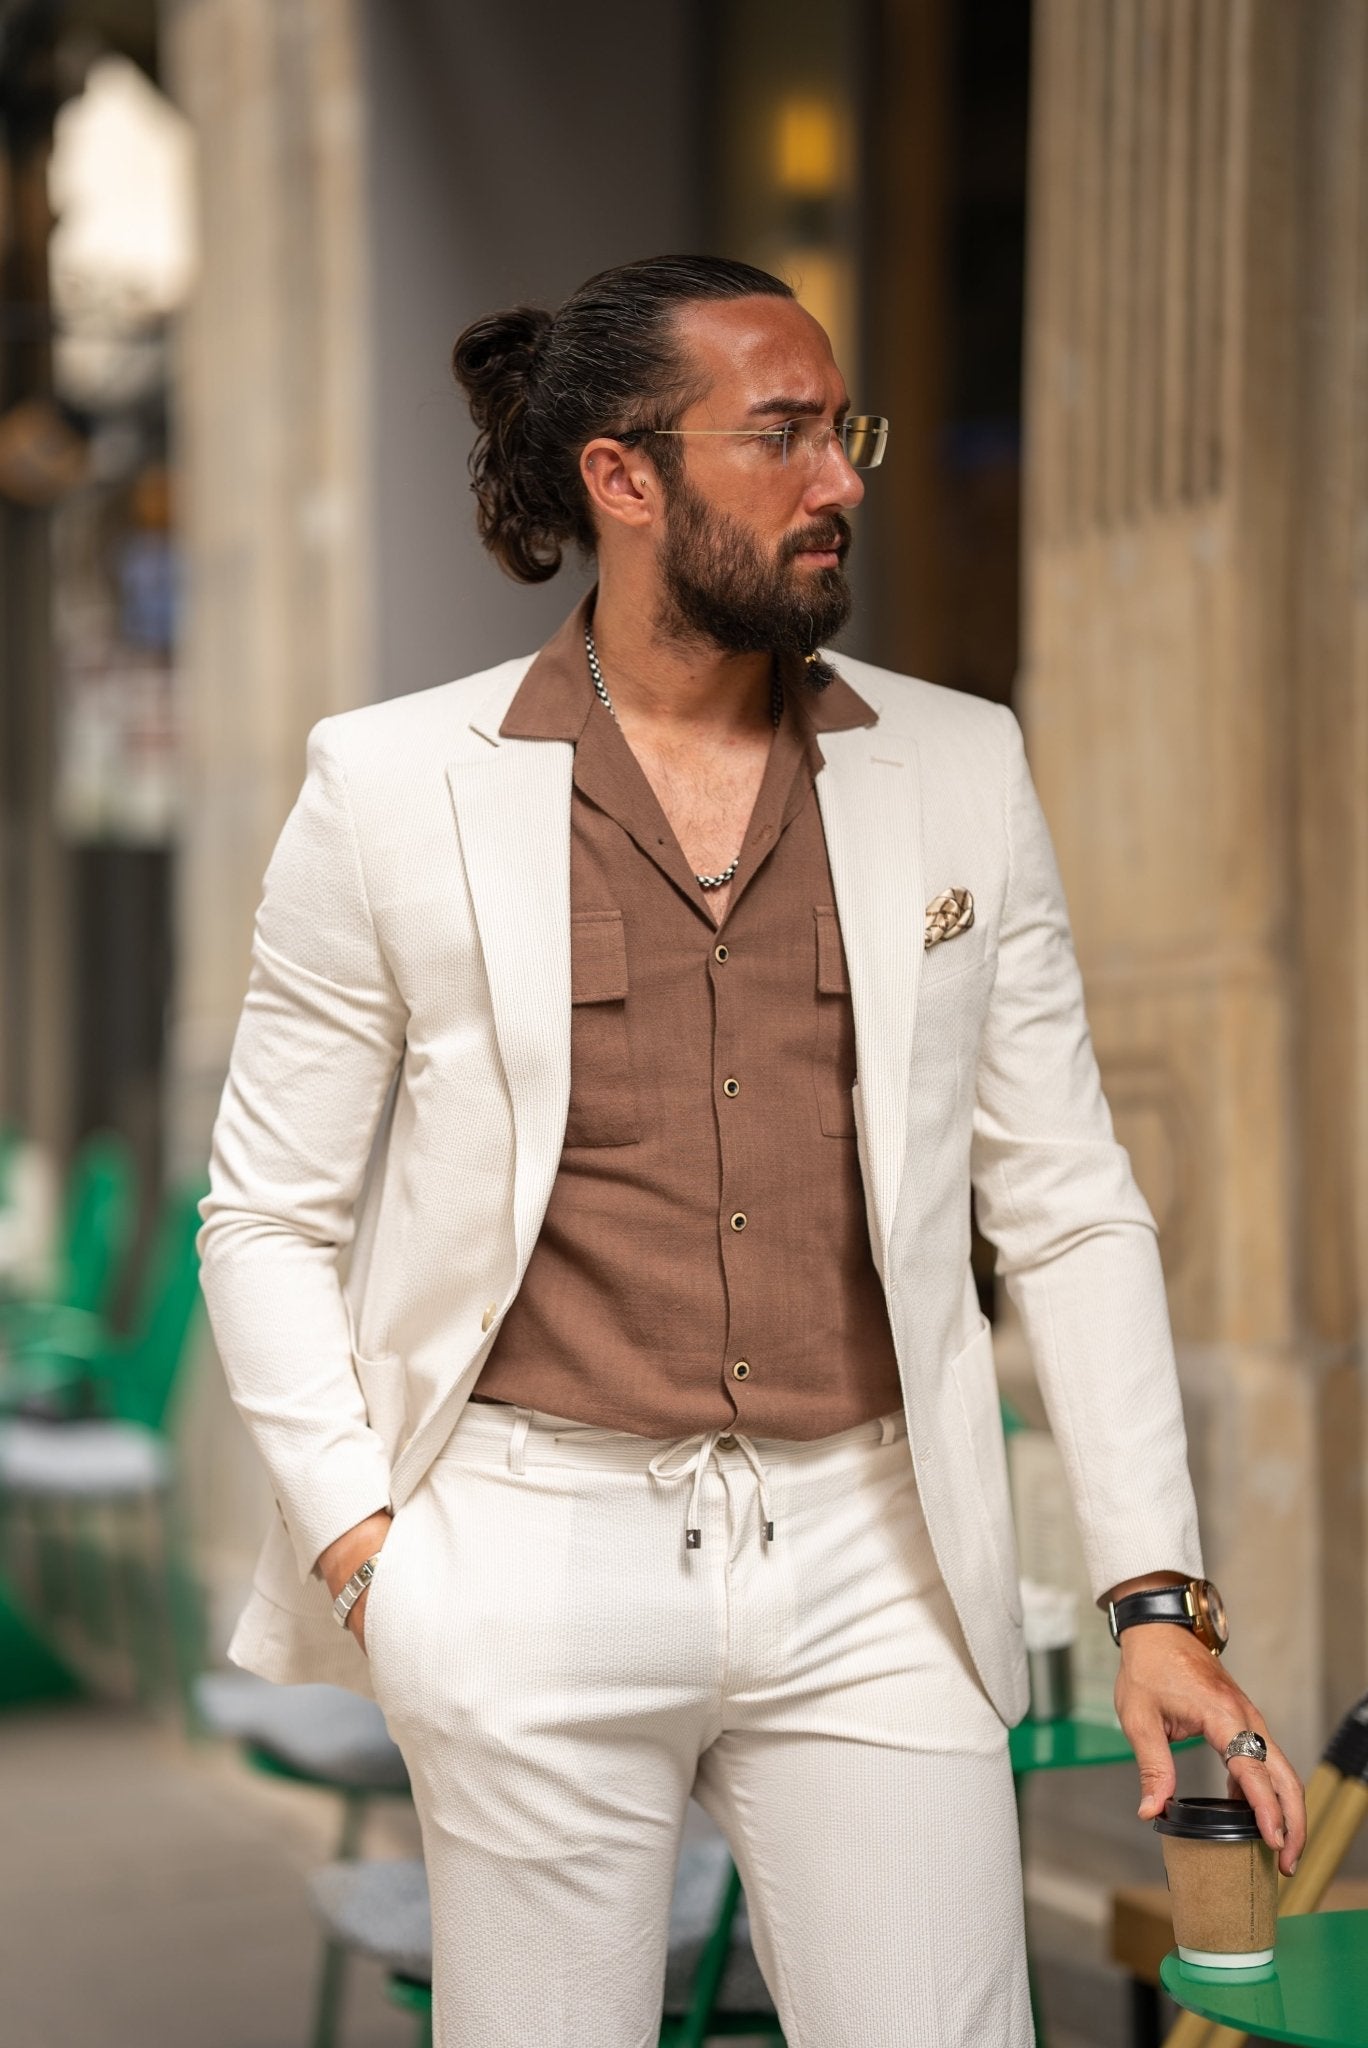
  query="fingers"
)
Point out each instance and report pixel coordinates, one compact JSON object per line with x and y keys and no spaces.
{"x":1275,"y":1792}
{"x":1158,"y":1775}
{"x":1272,"y":1789}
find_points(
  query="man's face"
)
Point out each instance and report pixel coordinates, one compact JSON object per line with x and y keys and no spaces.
{"x":752,"y":553}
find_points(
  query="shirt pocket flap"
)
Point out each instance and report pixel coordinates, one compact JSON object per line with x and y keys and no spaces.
{"x":598,"y":957}
{"x":832,"y":976}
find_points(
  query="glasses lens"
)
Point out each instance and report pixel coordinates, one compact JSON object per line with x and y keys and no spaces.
{"x":865,"y":436}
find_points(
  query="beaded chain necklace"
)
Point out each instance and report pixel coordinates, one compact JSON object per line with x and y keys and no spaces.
{"x":601,"y":691}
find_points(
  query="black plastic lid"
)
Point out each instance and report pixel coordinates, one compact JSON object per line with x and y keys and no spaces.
{"x":1209,"y":1820}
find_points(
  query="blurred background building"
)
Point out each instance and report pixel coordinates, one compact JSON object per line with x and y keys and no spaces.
{"x":1105,"y":265}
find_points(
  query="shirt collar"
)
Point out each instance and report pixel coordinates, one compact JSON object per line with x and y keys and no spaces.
{"x":556,"y":695}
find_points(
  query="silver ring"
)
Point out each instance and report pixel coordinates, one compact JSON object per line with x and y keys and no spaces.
{"x":1247,"y":1743}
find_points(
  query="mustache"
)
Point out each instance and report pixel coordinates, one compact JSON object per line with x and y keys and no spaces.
{"x":823,"y":536}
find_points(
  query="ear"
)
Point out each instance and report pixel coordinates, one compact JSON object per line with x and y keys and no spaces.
{"x":622,"y":484}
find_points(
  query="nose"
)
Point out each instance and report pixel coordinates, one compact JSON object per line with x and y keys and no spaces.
{"x":834,"y":483}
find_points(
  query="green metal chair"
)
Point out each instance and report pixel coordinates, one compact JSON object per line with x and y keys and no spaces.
{"x":99,"y":1215}
{"x":77,"y":1365}
{"x":109,"y":1579}
{"x":323,"y":1737}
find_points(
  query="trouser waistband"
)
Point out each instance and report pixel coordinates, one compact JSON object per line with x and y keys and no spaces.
{"x":531,"y":1437}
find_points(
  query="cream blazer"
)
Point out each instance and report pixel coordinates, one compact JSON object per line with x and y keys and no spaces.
{"x":392,"y":1122}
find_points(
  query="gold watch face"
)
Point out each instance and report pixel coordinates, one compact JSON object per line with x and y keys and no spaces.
{"x":1209,"y":1614}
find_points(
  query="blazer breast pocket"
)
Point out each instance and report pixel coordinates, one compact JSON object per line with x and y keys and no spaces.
{"x":603,"y":1094}
{"x":953,"y":958}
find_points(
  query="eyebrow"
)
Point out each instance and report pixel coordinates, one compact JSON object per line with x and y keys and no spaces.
{"x":795,"y":408}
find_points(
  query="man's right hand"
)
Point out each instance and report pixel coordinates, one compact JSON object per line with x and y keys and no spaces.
{"x":346,"y":1555}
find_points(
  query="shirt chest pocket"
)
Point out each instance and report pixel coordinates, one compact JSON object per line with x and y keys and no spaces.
{"x":833,"y":1065}
{"x":603,"y":1096}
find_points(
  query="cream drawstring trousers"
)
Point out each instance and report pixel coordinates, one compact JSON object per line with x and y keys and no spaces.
{"x":566,"y":1649}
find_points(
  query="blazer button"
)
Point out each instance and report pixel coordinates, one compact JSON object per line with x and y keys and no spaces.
{"x":487,"y":1318}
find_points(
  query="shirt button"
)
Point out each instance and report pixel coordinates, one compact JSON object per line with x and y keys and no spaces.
{"x":720,"y":952}
{"x":731,"y":1087}
{"x":741,"y":1369}
{"x":738,"y":1221}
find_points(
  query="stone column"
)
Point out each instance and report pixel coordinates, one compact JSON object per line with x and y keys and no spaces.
{"x":272,"y":444}
{"x":272,"y":456}
{"x":1196,"y":700}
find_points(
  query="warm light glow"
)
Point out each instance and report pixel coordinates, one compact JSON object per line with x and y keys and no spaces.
{"x":121,"y":186}
{"x":825,"y":285}
{"x":807,"y":149}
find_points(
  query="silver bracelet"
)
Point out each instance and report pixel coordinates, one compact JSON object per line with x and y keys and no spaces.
{"x":354,"y":1588}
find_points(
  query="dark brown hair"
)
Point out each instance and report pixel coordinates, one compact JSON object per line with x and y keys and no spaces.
{"x":541,"y":385}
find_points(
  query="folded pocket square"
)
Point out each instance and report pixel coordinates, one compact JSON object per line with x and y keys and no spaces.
{"x":947,"y":915}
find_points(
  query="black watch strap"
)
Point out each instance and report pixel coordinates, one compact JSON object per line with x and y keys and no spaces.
{"x":1193,"y":1604}
{"x":1160,"y":1603}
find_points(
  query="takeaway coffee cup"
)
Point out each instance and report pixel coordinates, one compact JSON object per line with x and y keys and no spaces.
{"x":1223,"y":1883}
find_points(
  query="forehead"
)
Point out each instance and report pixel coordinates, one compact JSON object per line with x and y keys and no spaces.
{"x":748,"y":351}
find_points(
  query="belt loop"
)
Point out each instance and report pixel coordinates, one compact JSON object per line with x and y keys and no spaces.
{"x":517,"y":1440}
{"x":886,"y":1430}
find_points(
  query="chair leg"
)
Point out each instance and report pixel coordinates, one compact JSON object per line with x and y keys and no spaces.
{"x":188,"y":1634}
{"x":1144,"y":2014}
{"x":692,"y":2030}
{"x":331,"y":1984}
{"x":332,"y":1976}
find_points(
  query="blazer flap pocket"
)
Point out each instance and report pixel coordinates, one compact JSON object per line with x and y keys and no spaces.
{"x":833,"y":978}
{"x":598,"y":957}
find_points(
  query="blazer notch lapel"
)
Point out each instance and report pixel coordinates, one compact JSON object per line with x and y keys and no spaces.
{"x":869,"y":791}
{"x":512,"y":809}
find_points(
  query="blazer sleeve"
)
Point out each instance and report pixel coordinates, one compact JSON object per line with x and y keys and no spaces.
{"x":317,"y":1045}
{"x":1075,"y":1240}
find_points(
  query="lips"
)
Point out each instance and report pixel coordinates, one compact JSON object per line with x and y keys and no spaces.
{"x":831,"y":541}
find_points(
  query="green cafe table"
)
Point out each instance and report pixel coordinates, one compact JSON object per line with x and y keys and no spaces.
{"x":1315,"y":1991}
{"x":1071,"y":1743}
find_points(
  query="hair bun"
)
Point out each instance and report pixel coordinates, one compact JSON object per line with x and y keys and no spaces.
{"x":494,"y":359}
{"x":540,"y":387}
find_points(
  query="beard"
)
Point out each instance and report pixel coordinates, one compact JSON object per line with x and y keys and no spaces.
{"x":720,"y":586}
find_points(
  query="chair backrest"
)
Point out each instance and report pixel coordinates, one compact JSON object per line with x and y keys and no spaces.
{"x":168,"y":1300}
{"x":101,"y":1210}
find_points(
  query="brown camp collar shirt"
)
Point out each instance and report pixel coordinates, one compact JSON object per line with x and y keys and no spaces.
{"x":704,"y":1262}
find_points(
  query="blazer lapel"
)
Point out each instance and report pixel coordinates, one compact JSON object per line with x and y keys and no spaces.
{"x":869,"y":792}
{"x":513,"y":817}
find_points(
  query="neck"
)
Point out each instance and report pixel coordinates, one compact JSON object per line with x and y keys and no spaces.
{"x":674,"y":687}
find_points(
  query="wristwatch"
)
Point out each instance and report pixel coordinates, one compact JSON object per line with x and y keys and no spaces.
{"x":1196,"y":1605}
{"x":354,"y":1588}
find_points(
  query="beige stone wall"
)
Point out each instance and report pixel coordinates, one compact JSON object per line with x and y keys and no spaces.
{"x":273,"y":506}
{"x":1196,"y":699}
{"x":272,"y":451}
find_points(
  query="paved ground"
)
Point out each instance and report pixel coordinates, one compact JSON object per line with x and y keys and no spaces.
{"x":152,"y":1895}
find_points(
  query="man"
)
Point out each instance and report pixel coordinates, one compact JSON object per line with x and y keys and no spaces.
{"x":613,"y":1349}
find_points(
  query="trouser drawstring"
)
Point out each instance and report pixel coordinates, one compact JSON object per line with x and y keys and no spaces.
{"x":703,"y":1449}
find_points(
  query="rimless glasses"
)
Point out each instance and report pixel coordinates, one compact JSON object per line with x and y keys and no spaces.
{"x":863,"y":437}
